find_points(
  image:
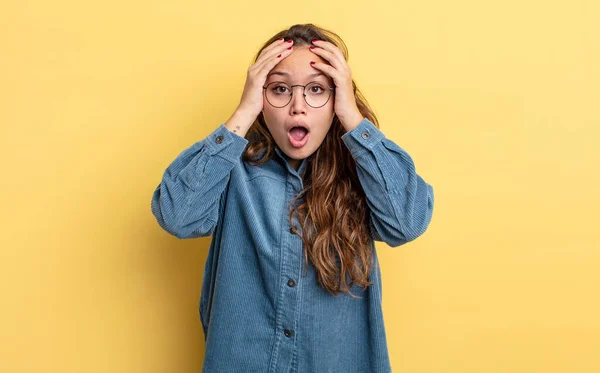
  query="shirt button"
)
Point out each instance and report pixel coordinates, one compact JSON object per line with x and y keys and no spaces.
{"x":291,"y":283}
{"x":365,"y":135}
{"x":219,"y":139}
{"x":288,"y":333}
{"x":292,"y":230}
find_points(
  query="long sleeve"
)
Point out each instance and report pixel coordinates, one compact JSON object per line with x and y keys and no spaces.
{"x":399,"y":200}
{"x":186,"y":202}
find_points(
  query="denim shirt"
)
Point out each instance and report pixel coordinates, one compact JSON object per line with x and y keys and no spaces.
{"x":259,"y":313}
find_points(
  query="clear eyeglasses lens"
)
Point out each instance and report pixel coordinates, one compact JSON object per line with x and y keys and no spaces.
{"x":279,"y":94}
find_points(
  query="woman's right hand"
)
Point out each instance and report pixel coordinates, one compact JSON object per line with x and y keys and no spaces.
{"x":252,"y":97}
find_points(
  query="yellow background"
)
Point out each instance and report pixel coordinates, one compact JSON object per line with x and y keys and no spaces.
{"x":497,"y":103}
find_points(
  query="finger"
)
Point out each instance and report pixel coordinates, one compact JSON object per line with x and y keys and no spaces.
{"x":331,"y":57}
{"x":329,"y":70}
{"x":271,"y":46}
{"x":331,"y":48}
{"x":282,"y":51}
{"x":273,"y":60}
{"x":274,"y":49}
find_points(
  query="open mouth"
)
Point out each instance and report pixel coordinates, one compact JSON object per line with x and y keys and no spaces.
{"x":298,"y":136}
{"x":298,"y":133}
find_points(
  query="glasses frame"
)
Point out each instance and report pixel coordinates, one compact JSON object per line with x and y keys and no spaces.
{"x":331,"y":89}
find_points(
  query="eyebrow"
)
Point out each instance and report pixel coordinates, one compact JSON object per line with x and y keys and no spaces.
{"x":287,"y":74}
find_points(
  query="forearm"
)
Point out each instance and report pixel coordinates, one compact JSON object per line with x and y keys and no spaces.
{"x":240,"y":122}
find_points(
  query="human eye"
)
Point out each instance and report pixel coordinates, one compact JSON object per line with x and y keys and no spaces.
{"x":316,"y":88}
{"x":279,"y":88}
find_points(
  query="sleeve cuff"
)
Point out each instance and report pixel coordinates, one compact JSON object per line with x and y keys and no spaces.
{"x":362,"y":137}
{"x":226,"y":143}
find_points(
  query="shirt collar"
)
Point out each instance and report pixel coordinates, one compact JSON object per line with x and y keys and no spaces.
{"x":302,"y":163}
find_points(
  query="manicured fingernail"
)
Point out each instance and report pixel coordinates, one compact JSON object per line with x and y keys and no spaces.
{"x":289,"y":41}
{"x":289,"y":48}
{"x":280,"y":39}
{"x":312,"y":47}
{"x":315,"y":40}
{"x":278,"y":56}
{"x":312,"y":62}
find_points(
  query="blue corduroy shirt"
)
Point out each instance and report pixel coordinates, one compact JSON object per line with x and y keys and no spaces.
{"x":259,"y":313}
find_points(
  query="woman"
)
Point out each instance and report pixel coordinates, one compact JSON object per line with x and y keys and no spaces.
{"x":294,"y":189}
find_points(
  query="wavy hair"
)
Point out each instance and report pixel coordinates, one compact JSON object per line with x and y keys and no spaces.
{"x":333,"y":212}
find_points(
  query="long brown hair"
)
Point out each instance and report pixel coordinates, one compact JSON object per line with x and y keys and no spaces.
{"x":334,"y":215}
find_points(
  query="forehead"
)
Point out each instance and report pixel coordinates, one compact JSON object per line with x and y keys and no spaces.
{"x":297,"y":66}
{"x":285,"y":75}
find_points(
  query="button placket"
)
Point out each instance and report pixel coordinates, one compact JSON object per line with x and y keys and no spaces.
{"x":288,"y":302}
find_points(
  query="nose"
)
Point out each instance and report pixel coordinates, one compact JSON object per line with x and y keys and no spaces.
{"x":298,"y":104}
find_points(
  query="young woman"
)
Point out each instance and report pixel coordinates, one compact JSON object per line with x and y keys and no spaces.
{"x":294,"y":189}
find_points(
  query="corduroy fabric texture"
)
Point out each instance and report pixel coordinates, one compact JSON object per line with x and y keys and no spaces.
{"x":259,"y":313}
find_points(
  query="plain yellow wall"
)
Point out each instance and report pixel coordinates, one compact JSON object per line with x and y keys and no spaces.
{"x":497,"y":103}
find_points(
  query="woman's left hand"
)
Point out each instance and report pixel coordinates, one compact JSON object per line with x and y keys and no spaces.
{"x":345,"y":103}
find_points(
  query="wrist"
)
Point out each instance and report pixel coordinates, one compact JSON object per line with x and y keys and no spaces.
{"x":239,"y":122}
{"x":352,"y":121}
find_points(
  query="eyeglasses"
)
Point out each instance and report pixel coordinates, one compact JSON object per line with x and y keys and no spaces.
{"x":316,"y":94}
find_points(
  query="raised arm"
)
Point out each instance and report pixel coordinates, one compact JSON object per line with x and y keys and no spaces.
{"x":187,"y":200}
{"x":400,"y":201}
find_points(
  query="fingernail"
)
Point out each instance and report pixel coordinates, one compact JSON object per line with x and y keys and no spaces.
{"x":278,"y":56}
{"x":315,"y":40}
{"x":289,"y":48}
{"x":312,"y":47}
{"x":312,"y":62}
{"x":289,"y":41}
{"x":280,"y":39}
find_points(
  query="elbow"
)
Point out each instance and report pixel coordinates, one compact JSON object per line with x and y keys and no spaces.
{"x":174,"y":227}
{"x":411,"y":227}
{"x":206,"y":228}
{"x":412,"y":231}
{"x":389,"y":234}
{"x":421,"y":218}
{"x":166,"y":221}
{"x":396,"y":241}
{"x":177,"y":225}
{"x":187,"y":233}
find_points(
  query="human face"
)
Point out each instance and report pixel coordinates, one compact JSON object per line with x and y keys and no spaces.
{"x":296,"y":69}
